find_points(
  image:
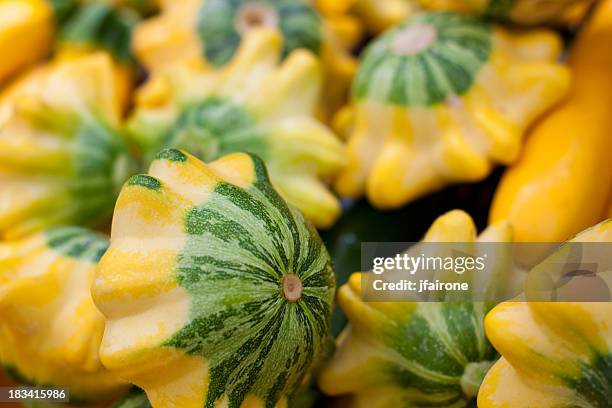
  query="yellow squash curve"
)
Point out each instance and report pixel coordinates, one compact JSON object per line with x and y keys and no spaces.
{"x":26,"y":33}
{"x":560,"y":184}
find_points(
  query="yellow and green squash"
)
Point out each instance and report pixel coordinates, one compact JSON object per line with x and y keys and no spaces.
{"x":50,"y":329}
{"x":254,"y":104}
{"x":407,"y":354}
{"x":214,"y":290}
{"x":554,"y":355}
{"x":441,"y":99}
{"x":62,"y":156}
{"x":211,"y":31}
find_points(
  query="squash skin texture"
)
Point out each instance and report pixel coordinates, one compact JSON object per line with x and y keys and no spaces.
{"x":558,"y":354}
{"x":50,"y":329}
{"x":194,"y":292}
{"x":560,"y":185}
{"x":392,"y":355}
{"x":62,"y":157}
{"x":418,"y":123}
{"x":216,"y":112}
{"x":204,"y":31}
{"x":27,"y":34}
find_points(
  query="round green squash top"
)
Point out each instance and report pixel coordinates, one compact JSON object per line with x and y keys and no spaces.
{"x":424,"y":60}
{"x":254,"y":273}
{"x":222,"y":23}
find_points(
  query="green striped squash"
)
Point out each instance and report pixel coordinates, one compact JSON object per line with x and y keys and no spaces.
{"x":63,"y":158}
{"x":408,"y":354}
{"x":222,"y":23}
{"x":424,"y":60}
{"x":229,"y":288}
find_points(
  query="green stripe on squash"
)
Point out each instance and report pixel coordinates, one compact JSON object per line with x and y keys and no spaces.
{"x":77,"y":242}
{"x":441,"y":351}
{"x":594,"y":383}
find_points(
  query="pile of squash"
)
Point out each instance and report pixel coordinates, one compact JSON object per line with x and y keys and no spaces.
{"x":174,"y":175}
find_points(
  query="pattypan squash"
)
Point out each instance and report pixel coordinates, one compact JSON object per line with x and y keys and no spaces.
{"x":254,"y":104}
{"x":409,"y":354}
{"x":214,"y":290}
{"x":62,"y":158}
{"x":211,"y":31}
{"x":440,"y":99}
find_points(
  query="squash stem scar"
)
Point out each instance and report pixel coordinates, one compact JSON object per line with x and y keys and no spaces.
{"x":414,"y":39}
{"x":254,"y":15}
{"x":292,"y":287}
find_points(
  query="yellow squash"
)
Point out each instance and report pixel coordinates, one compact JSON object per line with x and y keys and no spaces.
{"x":50,"y":330}
{"x":407,"y":354}
{"x":210,"y":31}
{"x":26,"y":33}
{"x":380,"y":15}
{"x":554,"y":355}
{"x":29,"y":29}
{"x":91,"y":28}
{"x":560,"y":185}
{"x":441,"y":99}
